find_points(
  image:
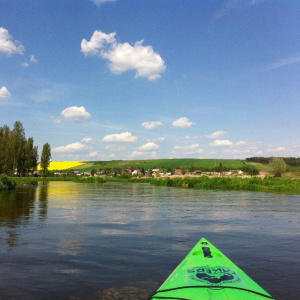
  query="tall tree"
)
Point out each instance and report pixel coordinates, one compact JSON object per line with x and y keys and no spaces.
{"x":17,"y":146}
{"x":45,"y":157}
{"x":4,"y":138}
{"x":31,"y":156}
{"x":278,"y":166}
{"x":16,"y":152}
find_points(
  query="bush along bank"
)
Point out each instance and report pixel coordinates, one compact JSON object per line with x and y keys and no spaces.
{"x":268,"y":185}
{"x":7,"y":183}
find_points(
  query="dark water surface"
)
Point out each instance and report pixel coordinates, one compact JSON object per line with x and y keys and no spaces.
{"x":64,"y":240}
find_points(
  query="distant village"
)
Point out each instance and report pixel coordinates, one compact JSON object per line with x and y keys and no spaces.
{"x":155,"y":173}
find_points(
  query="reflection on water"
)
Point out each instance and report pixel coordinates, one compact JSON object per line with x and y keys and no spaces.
{"x":70,"y":271}
{"x":43,"y":201}
{"x":15,"y":209}
{"x":63,"y":240}
{"x":69,"y":247}
{"x":132,"y":291}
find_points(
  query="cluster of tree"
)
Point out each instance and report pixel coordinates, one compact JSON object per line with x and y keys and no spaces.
{"x":260,"y":160}
{"x":278,"y":166}
{"x":291,"y":161}
{"x":17,"y":153}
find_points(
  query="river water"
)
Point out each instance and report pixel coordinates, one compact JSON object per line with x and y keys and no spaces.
{"x":65,"y":240}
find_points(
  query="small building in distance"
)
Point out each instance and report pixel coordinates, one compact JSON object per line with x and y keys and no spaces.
{"x":197,"y":172}
{"x":178,"y":172}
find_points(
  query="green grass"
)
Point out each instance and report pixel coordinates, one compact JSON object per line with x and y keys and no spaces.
{"x":267,"y":185}
{"x":166,"y":164}
{"x":85,"y":167}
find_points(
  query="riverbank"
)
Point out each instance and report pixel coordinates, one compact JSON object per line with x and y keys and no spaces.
{"x":7,"y":183}
{"x":254,"y":184}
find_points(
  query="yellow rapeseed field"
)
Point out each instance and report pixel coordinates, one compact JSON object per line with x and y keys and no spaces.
{"x":62,"y":165}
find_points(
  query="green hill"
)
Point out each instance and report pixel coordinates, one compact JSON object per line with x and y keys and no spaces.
{"x":170,"y":164}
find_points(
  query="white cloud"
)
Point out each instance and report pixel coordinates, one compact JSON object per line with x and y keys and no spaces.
{"x":9,"y":46}
{"x":75,"y":114}
{"x":221,"y":143}
{"x":4,"y":93}
{"x":124,"y":137}
{"x":98,"y":41}
{"x":149,"y":146}
{"x":238,"y":150}
{"x":141,"y":58}
{"x":75,"y":147}
{"x":123,"y":56}
{"x":138,"y":153}
{"x":183,"y":123}
{"x":93,"y":154}
{"x":191,"y":149}
{"x":217,"y":134}
{"x":33,"y":59}
{"x":159,"y":139}
{"x":240,"y":154}
{"x":144,"y":154}
{"x":99,"y":2}
{"x":182,"y":151}
{"x":87,"y":140}
{"x":241,"y":143}
{"x":278,"y":149}
{"x":151,"y":125}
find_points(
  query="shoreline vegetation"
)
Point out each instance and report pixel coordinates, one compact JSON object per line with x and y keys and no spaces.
{"x":258,"y":174}
{"x":266,"y":184}
{"x":7,"y":183}
{"x":254,"y":184}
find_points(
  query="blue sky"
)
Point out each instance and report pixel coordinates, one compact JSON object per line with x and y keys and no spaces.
{"x":103,"y":80}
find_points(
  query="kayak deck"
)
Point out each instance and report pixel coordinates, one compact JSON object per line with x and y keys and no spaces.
{"x":206,"y":273}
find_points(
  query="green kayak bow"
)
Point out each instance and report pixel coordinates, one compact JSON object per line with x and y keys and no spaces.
{"x":206,"y":273}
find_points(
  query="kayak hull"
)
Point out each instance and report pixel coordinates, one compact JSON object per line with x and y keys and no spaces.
{"x":206,"y":273}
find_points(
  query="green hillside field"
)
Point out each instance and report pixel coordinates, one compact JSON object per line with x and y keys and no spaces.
{"x":165,"y":164}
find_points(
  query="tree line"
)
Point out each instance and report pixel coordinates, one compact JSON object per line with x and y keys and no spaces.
{"x":18,"y":154}
{"x":291,"y":161}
